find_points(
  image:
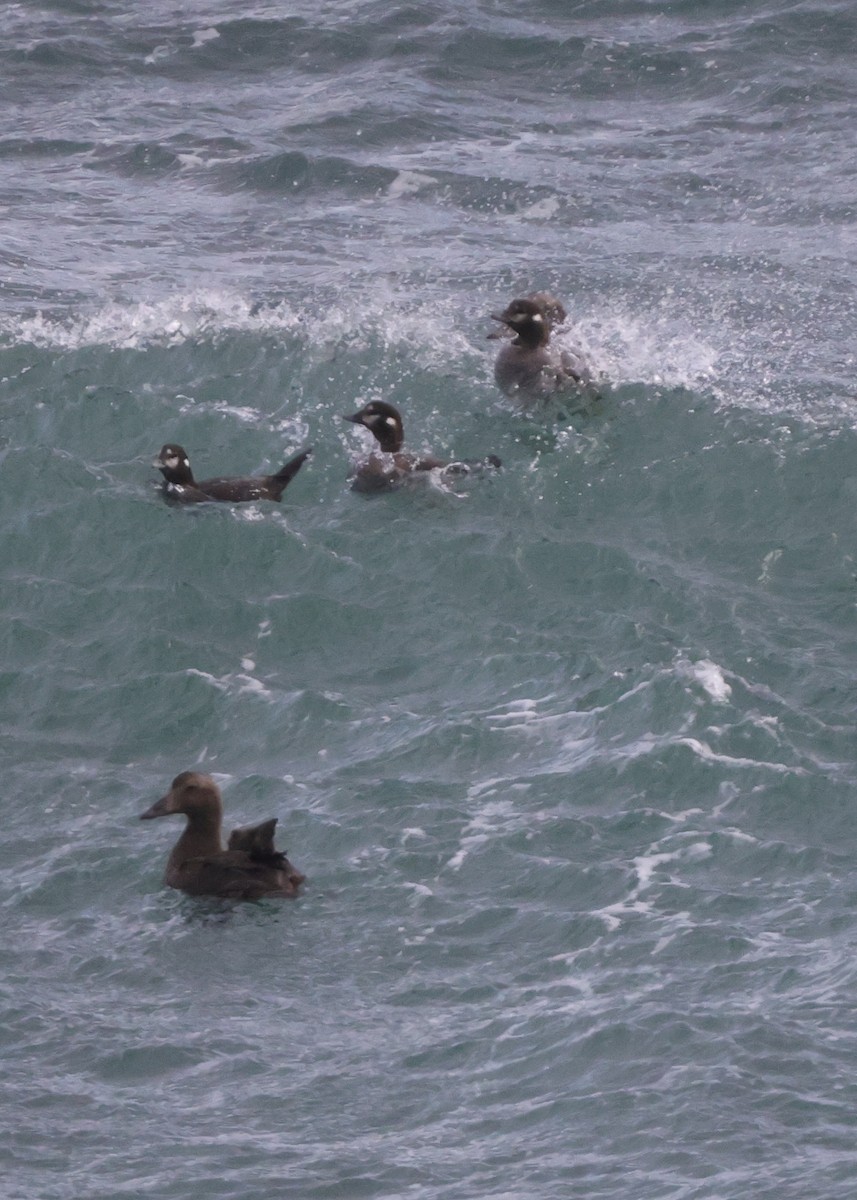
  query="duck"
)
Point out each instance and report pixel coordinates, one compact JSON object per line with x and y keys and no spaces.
{"x":529,"y":368}
{"x":392,"y":467}
{"x":249,"y":869}
{"x":180,"y":487}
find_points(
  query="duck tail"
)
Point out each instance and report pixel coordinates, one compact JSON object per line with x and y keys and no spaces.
{"x":289,"y":470}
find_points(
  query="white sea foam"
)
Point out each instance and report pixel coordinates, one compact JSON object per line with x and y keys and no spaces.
{"x":514,"y":714}
{"x":419,"y":889}
{"x":708,"y":675}
{"x":648,"y":347}
{"x":541,"y":210}
{"x":159,"y":54}
{"x":408,"y":183}
{"x":704,"y":751}
{"x":235,"y":683}
{"x":201,"y":36}
{"x":250,"y":416}
{"x":768,"y":563}
{"x":425,"y":332}
{"x":493,"y":818}
{"x":169,"y":321}
{"x":646,"y":868}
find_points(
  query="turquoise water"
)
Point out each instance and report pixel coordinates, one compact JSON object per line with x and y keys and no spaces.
{"x":566,"y":751}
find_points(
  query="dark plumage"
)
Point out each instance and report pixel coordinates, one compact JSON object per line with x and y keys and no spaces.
{"x":180,"y":487}
{"x":250,"y":869}
{"x":550,"y":307}
{"x":258,"y":841}
{"x":529,"y":367}
{"x":392,"y":467}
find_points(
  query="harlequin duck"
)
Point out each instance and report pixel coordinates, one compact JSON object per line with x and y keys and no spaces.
{"x":249,"y":869}
{"x":529,"y":367}
{"x":180,"y":487}
{"x":381,"y":472}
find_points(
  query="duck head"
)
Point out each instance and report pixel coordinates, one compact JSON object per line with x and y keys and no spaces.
{"x":174,"y":464}
{"x":552,"y":309}
{"x":195,"y":795}
{"x":384,"y":422}
{"x":528,"y":322}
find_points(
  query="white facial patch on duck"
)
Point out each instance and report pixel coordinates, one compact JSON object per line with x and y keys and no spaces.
{"x":373,"y":420}
{"x":173,"y":460}
{"x":522,"y":319}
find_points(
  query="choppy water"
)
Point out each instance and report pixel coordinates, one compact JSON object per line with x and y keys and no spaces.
{"x":567,"y":753}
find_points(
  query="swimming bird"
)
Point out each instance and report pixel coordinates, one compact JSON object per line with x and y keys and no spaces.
{"x":529,"y":367}
{"x":392,"y":466}
{"x":180,"y":487}
{"x":248,"y":870}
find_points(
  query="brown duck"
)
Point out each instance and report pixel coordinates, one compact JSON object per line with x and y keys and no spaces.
{"x":250,"y":869}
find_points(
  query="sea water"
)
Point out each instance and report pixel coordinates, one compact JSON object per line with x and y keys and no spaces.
{"x":567,"y":751}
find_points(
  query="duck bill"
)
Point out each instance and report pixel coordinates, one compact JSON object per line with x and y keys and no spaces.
{"x":496,"y":334}
{"x":355,"y":418}
{"x":161,"y":808}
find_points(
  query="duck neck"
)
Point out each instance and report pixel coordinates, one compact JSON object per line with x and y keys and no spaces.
{"x":200,"y":838}
{"x":178,"y":476}
{"x":389,"y":442}
{"x":531,"y":337}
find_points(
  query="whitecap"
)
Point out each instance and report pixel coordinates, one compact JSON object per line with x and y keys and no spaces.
{"x":653,"y":348}
{"x":168,"y":321}
{"x":201,"y":36}
{"x":704,"y":751}
{"x":541,"y":210}
{"x":708,"y":675}
{"x":408,"y":183}
{"x":770,"y":560}
{"x":234,"y":683}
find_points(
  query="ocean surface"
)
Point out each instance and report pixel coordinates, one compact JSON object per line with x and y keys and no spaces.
{"x":567,"y":752}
